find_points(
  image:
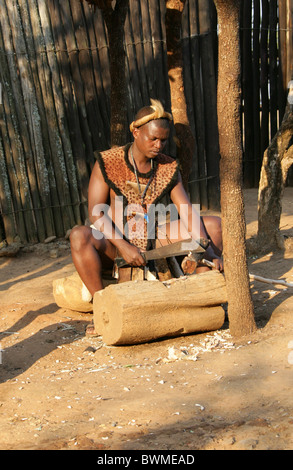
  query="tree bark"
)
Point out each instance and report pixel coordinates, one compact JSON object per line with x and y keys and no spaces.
{"x":184,"y":138}
{"x":276,"y":162}
{"x":115,"y":20}
{"x":240,"y":306}
{"x":114,"y":14}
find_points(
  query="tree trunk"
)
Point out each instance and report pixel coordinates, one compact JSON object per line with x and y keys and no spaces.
{"x":184,"y":137}
{"x":240,"y":306}
{"x":114,"y":14}
{"x":115,"y":20}
{"x":276,"y":162}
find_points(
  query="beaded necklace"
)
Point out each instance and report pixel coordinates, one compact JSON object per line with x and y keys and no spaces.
{"x":142,"y":195}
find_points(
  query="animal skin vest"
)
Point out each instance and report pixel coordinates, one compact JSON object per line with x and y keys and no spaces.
{"x":119,"y":174}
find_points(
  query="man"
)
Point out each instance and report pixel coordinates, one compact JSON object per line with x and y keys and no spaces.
{"x":140,"y":175}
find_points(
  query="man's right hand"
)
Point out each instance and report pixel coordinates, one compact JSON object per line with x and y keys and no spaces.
{"x":131,"y":254}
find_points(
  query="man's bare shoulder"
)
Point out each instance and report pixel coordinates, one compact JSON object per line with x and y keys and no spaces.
{"x":97,"y":172}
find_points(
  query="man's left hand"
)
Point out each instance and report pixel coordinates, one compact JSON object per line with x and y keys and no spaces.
{"x":218,"y":262}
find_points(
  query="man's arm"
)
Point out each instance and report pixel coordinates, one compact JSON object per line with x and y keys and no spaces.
{"x":100,"y":215}
{"x":98,"y":191}
{"x":192,"y":220}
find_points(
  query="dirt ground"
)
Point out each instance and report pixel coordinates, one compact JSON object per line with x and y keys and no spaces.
{"x":62,"y":390}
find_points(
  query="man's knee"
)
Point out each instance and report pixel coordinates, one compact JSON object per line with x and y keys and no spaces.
{"x":79,"y":237}
{"x":216,"y":230}
{"x":213,"y":224}
{"x":218,"y":224}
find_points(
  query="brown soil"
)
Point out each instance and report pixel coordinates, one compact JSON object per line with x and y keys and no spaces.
{"x":62,"y":390}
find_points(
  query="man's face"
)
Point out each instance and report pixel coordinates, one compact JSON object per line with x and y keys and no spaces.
{"x":151,"y":138}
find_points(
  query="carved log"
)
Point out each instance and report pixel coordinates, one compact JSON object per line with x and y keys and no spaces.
{"x":70,"y":292}
{"x":139,"y":311}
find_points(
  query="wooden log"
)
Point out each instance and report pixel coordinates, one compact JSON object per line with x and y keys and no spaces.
{"x":70,"y":292}
{"x":139,"y":311}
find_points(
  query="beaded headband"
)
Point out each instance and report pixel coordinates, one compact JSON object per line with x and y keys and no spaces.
{"x":159,"y":113}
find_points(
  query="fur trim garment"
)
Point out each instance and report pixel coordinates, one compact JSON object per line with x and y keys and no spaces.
{"x":119,"y":174}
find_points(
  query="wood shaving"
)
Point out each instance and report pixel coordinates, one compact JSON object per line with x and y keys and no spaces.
{"x":220,"y":340}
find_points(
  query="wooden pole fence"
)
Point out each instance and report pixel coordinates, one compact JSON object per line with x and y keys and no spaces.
{"x":55,"y":99}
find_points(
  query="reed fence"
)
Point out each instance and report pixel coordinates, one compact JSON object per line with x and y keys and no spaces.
{"x":55,"y":99}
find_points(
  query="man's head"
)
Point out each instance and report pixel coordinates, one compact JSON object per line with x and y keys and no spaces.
{"x":151,"y":129}
{"x":150,"y":113}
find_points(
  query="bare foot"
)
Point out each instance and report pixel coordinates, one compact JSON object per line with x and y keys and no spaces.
{"x":90,"y":330}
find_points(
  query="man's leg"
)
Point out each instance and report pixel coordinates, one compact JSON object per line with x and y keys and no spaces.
{"x":90,"y":255}
{"x":176,"y":231}
{"x":214,"y":230}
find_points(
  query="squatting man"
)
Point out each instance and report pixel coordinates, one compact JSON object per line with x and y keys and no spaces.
{"x":139,"y":176}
